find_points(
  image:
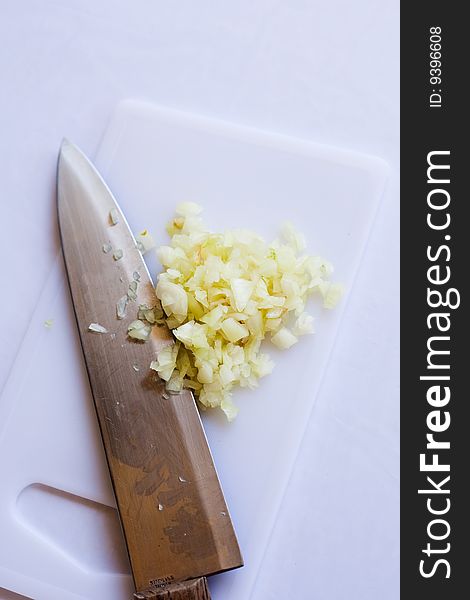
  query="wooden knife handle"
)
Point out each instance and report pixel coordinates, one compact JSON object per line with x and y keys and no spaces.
{"x":193,"y":589}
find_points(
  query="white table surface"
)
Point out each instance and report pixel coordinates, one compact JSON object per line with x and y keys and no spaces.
{"x":324,"y":71}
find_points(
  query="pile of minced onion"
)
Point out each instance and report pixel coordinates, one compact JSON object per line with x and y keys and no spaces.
{"x":222,"y":294}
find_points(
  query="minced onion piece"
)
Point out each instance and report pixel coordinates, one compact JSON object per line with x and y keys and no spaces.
{"x":284,"y":338}
{"x":303,"y":324}
{"x":151,"y":315}
{"x":121,"y":307}
{"x":233,"y":330}
{"x":114,"y":216}
{"x":106,"y":248}
{"x":118,"y":254}
{"x":165,"y":363}
{"x":132,"y":290}
{"x":48,"y":323}
{"x":222,"y":294}
{"x":331,"y":293}
{"x":138,"y":330}
{"x":97,"y":328}
{"x":145,"y":241}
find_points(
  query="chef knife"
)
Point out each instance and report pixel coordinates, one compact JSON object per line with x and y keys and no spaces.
{"x":174,"y":518}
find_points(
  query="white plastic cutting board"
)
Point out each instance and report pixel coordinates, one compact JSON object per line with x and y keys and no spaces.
{"x":60,"y":538}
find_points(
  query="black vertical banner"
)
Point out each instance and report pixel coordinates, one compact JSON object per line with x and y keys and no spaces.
{"x":435,"y":255}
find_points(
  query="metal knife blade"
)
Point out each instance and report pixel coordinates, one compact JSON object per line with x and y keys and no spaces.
{"x":173,"y":513}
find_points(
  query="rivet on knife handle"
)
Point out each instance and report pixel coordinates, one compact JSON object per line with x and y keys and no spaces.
{"x":195,"y":589}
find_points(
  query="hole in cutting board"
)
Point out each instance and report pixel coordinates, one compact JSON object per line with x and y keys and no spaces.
{"x":88,"y":532}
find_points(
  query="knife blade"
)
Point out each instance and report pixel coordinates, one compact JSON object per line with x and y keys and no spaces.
{"x":174,"y":517}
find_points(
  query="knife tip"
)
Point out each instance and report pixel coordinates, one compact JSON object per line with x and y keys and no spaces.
{"x":65,"y":145}
{"x":65,"y":151}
